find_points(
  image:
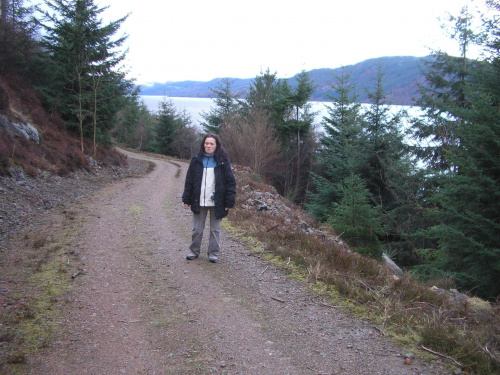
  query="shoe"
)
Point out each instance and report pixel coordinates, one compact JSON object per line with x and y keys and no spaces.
{"x":191,"y":256}
{"x":212,"y":259}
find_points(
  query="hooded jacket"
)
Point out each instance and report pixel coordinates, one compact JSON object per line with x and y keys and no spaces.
{"x":225,"y":185}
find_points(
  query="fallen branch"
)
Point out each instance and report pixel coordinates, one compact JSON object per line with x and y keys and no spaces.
{"x":378,"y":329}
{"x":319,"y":372}
{"x":277,"y":299}
{"x":330,"y":306}
{"x":130,"y":321}
{"x":442,"y":355}
{"x":274,"y":227}
{"x":487,"y":351}
{"x":77,"y":273}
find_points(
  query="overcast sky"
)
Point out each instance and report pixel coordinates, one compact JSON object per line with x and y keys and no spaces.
{"x":175,"y":40}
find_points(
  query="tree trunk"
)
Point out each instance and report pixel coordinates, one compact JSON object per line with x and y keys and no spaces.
{"x":3,"y":9}
{"x":3,"y":20}
{"x":297,"y":177}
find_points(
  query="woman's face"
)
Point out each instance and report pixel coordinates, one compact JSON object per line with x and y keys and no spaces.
{"x":210,"y":146}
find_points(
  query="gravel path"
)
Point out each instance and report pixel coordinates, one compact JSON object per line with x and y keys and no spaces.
{"x":141,"y":308}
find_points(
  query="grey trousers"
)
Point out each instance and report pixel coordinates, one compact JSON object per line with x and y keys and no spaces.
{"x":197,"y":232}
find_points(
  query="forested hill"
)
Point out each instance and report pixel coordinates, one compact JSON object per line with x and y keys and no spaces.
{"x":401,"y":77}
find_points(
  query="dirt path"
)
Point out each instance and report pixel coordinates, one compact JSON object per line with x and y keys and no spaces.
{"x":141,"y":308}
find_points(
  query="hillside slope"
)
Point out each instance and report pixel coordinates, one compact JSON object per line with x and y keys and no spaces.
{"x":402,"y":74}
{"x":50,"y":146}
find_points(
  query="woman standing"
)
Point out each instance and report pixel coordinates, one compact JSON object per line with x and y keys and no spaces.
{"x":210,"y":187}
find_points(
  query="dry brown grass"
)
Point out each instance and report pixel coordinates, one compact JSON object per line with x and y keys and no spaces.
{"x":401,"y":307}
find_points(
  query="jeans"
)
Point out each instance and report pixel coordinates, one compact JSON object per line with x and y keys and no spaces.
{"x":197,"y":232}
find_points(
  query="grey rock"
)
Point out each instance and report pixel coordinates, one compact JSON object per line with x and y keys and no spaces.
{"x":20,"y":129}
{"x":459,"y":297}
{"x":392,"y":266}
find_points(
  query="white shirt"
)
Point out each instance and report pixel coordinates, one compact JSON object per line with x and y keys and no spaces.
{"x":207,"y":185}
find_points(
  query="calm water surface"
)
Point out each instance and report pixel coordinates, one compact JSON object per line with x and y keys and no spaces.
{"x":193,"y":106}
{"x":196,"y":106}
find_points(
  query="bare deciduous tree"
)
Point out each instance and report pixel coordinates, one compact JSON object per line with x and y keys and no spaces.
{"x":250,"y":141}
{"x":186,"y":142}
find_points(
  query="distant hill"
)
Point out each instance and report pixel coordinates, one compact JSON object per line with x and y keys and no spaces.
{"x":401,"y":77}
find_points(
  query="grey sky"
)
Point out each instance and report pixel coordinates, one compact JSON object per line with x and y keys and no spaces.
{"x":173,"y":40}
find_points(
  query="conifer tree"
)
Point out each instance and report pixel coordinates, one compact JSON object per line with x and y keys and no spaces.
{"x":391,"y":176}
{"x":385,"y":147}
{"x":18,"y":32}
{"x":289,"y":112}
{"x":263,"y":96}
{"x":226,"y":104}
{"x":343,"y":148}
{"x":85,"y":82}
{"x":135,"y":125}
{"x":444,"y":91}
{"x":356,"y":219}
{"x":300,"y":126}
{"x":170,"y":123}
{"x":465,"y":219}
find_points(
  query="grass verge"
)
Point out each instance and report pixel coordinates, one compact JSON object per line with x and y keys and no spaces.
{"x":37,"y":271}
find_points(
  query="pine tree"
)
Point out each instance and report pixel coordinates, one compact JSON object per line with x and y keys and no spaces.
{"x":355,"y":218}
{"x":135,"y":125}
{"x":300,"y":126}
{"x":263,"y":92}
{"x":343,"y":148}
{"x":226,"y":104}
{"x":85,"y":81}
{"x":268,"y":96}
{"x":444,"y":91}
{"x":18,"y":33}
{"x":289,"y":112}
{"x":387,"y":158}
{"x":169,"y":123}
{"x":465,"y":217}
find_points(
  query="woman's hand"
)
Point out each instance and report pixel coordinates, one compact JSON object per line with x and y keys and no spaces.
{"x":186,"y":206}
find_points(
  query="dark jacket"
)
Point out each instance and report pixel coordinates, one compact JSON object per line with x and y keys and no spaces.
{"x":225,"y":185}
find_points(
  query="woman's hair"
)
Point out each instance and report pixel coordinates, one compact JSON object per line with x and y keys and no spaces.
{"x":219,"y":150}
